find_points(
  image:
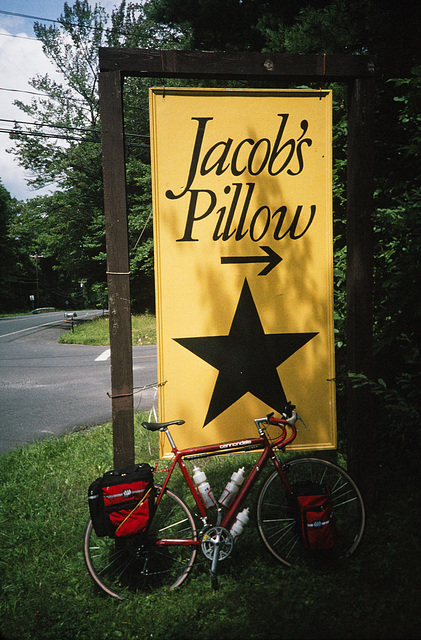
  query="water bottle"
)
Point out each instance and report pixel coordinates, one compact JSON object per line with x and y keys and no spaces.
{"x":232,"y":487}
{"x":238,"y":526}
{"x":204,"y":487}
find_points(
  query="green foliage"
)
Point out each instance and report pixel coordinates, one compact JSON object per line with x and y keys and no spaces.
{"x":210,"y":24}
{"x":397,"y":233}
{"x":312,"y":29}
{"x":355,"y":27}
{"x":68,"y":107}
{"x":97,"y":331}
{"x":368,"y":27}
{"x":401,"y":406}
{"x":67,"y":228}
{"x":47,"y":594}
{"x":8,"y":251}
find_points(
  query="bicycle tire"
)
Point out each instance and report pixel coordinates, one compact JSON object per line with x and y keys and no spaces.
{"x":123,"y":566}
{"x":276,"y":522}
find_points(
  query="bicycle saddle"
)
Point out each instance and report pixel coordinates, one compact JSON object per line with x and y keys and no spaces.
{"x":160,"y":426}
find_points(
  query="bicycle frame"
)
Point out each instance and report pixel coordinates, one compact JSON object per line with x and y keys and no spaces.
{"x":119,"y":565}
{"x":249,"y":444}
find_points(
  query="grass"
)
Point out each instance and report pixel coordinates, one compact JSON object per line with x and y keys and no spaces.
{"x":96,"y":332}
{"x":47,"y":594}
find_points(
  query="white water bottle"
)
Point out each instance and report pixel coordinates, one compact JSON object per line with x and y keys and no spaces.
{"x":204,"y":487}
{"x":232,"y":487}
{"x":238,"y":526}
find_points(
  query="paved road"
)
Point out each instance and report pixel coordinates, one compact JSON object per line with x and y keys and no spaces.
{"x":49,"y":389}
{"x":17,"y":327}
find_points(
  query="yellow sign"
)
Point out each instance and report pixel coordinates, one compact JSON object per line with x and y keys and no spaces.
{"x":243,"y":260}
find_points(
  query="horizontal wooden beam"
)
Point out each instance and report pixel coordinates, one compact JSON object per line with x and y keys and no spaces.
{"x":233,"y":65}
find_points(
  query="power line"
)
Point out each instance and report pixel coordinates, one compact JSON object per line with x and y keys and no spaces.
{"x":66,"y":128}
{"x":53,"y":126}
{"x":23,"y":15}
{"x":43,"y":95}
{"x":51,"y":135}
{"x":13,"y":35}
{"x":40,"y":134}
{"x":63,"y":23}
{"x":34,"y":93}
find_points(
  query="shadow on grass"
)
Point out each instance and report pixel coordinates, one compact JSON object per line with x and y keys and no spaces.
{"x":48,"y":595}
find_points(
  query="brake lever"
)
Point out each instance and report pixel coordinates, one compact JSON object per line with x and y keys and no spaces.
{"x":302,"y":421}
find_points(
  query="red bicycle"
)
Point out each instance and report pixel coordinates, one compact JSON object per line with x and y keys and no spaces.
{"x":165,"y":555}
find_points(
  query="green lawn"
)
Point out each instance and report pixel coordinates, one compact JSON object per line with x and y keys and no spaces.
{"x":48,"y":595}
{"x":96,"y":332}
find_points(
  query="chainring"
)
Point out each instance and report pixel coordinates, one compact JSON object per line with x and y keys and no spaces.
{"x":210,"y":538}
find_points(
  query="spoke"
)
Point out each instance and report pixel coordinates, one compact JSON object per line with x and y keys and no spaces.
{"x":285,"y":531}
{"x":323,"y":475}
{"x":340,"y":504}
{"x":279,"y":529}
{"x":295,"y":541}
{"x":335,"y":487}
{"x":278,"y":520}
{"x":174,"y":524}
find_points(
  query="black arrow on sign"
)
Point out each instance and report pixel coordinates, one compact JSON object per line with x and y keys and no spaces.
{"x":272,"y":259}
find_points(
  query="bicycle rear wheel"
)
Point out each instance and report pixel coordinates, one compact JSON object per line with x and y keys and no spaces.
{"x":122,"y":566}
{"x":277,"y":524}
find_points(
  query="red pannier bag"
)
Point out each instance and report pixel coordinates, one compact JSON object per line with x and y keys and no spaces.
{"x":121,"y":503}
{"x":315,"y":515}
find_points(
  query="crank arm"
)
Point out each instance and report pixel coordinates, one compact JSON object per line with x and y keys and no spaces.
{"x":213,"y":569}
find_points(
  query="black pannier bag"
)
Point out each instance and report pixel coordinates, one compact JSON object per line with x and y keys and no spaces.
{"x":314,"y":514}
{"x":121,"y":503}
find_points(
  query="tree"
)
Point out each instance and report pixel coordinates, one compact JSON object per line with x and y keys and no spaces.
{"x":69,"y":111}
{"x":72,"y":219}
{"x":392,"y":37}
{"x":384,"y":30}
{"x":7,"y":252}
{"x":391,"y":34}
{"x":222,"y":25}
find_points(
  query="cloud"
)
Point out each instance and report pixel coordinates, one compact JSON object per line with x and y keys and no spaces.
{"x":21,"y":58}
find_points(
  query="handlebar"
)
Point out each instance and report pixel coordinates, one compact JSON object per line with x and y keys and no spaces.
{"x":288,"y":410}
{"x":289,"y":418}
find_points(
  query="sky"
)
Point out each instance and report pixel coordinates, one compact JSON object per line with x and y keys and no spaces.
{"x":21,"y":58}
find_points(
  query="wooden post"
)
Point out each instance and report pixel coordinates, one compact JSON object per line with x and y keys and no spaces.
{"x":359,"y":321}
{"x":118,"y":270}
{"x":273,"y":68}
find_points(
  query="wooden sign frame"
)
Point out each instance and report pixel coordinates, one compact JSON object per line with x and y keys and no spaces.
{"x":358,"y":73}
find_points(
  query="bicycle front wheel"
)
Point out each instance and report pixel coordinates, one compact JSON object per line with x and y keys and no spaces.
{"x":277,"y":524}
{"x":122,"y":566}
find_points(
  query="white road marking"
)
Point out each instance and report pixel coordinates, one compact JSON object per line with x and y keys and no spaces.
{"x":103,"y":356}
{"x":36,"y":326}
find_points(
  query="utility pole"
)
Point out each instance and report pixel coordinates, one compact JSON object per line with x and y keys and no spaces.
{"x":36,"y":255}
{"x":82,"y":285}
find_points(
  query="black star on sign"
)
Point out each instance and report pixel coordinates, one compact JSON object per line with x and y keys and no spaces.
{"x":246,"y":358}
